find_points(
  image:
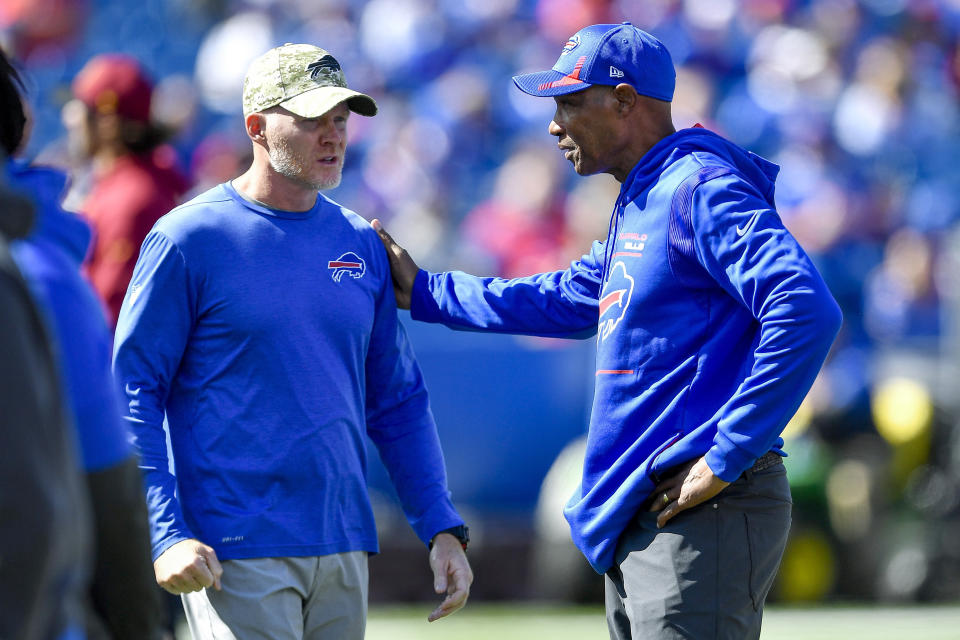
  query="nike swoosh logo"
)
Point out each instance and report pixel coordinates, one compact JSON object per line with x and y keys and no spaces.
{"x":743,"y":231}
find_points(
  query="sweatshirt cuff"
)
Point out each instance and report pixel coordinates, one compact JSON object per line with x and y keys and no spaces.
{"x":162,"y":545}
{"x":728,"y":461}
{"x":441,"y":517}
{"x":423,"y":306}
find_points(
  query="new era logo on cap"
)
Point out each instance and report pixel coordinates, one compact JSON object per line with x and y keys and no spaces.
{"x":607,"y":54}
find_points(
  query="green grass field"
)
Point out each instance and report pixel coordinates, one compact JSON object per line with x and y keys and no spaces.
{"x":531,"y":622}
{"x":548,"y":622}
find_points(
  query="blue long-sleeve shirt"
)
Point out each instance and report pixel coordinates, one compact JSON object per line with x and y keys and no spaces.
{"x":711,"y":325}
{"x":270,"y":341}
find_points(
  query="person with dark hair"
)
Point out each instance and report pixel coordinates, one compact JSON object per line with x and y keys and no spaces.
{"x":711,"y":324}
{"x":45,"y":538}
{"x":134,"y":178}
{"x":13,"y":118}
{"x":123,"y":593}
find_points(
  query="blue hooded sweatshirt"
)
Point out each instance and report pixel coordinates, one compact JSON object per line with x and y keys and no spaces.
{"x":50,"y":259}
{"x":711,"y":325}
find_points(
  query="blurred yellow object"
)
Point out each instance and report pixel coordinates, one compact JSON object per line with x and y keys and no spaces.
{"x":849,"y":491}
{"x":903,"y":414}
{"x":902,"y":410}
{"x":807,"y":571}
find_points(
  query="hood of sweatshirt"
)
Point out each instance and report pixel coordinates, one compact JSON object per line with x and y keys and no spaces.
{"x":46,"y":186}
{"x":758,"y":171}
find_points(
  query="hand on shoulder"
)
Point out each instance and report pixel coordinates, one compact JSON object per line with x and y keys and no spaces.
{"x":402,"y":266}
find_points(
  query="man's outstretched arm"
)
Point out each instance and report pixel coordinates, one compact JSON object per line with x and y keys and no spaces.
{"x":559,"y":304}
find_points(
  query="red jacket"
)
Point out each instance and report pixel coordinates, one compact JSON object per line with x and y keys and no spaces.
{"x":122,"y":207}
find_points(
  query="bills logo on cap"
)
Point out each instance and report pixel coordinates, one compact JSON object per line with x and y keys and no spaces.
{"x":571,"y":44}
{"x":615,"y":300}
{"x":326,"y":62}
{"x":349,"y":263}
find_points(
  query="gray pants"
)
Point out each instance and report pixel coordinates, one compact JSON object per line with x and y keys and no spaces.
{"x":707,"y":573}
{"x":311,"y":598}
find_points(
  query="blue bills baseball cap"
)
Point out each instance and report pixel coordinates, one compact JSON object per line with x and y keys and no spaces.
{"x":606,"y":54}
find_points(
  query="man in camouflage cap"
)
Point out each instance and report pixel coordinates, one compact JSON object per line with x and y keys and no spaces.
{"x":261,"y":323}
{"x":306,"y":80}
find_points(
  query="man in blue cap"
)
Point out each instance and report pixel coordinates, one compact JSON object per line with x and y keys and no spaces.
{"x":711,"y":325}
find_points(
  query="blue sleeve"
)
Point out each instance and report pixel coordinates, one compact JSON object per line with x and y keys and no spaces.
{"x":84,"y":343}
{"x":561,"y":304}
{"x":741,"y":242}
{"x":400,"y":423}
{"x":83,"y":349}
{"x":152,"y":331}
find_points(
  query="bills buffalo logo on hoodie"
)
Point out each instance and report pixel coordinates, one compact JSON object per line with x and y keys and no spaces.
{"x":350,"y":264}
{"x":614,"y":300}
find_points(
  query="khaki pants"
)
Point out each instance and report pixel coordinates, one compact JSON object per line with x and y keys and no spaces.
{"x":311,"y":598}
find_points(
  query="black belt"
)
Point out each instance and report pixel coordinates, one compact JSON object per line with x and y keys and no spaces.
{"x":767,"y":460}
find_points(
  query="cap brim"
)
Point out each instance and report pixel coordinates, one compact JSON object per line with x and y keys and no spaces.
{"x":548,"y":83}
{"x":316,"y":102}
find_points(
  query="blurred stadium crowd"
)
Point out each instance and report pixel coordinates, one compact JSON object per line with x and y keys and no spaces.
{"x":856,"y":100}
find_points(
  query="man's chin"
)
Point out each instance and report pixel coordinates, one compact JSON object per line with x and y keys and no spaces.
{"x":331,"y":183}
{"x":579,"y":166}
{"x":582,"y":170}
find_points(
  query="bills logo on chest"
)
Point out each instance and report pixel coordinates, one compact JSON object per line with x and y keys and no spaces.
{"x":615,"y":299}
{"x":350,"y":264}
{"x":618,"y":289}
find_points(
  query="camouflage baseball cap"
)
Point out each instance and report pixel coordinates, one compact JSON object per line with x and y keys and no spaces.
{"x":303,"y":79}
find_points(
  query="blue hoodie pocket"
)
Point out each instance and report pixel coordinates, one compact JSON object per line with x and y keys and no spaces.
{"x":655,"y":458}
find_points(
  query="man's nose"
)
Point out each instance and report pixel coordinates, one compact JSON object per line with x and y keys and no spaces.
{"x":331,"y":133}
{"x":555,"y":129}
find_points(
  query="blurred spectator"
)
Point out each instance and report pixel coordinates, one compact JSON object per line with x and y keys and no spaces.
{"x":901,"y":302}
{"x":521,"y":225}
{"x":123,"y":593}
{"x":225,"y":52}
{"x":134,"y":177}
{"x":218,"y":157}
{"x":36,"y":25}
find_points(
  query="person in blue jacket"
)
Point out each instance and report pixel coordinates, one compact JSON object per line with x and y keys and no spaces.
{"x":125,"y":601}
{"x":260,"y":322}
{"x":711,"y":324}
{"x":123,"y":593}
{"x":45,"y":539}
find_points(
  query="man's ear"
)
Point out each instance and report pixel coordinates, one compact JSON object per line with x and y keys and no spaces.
{"x":626,"y":97}
{"x":256,"y":124}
